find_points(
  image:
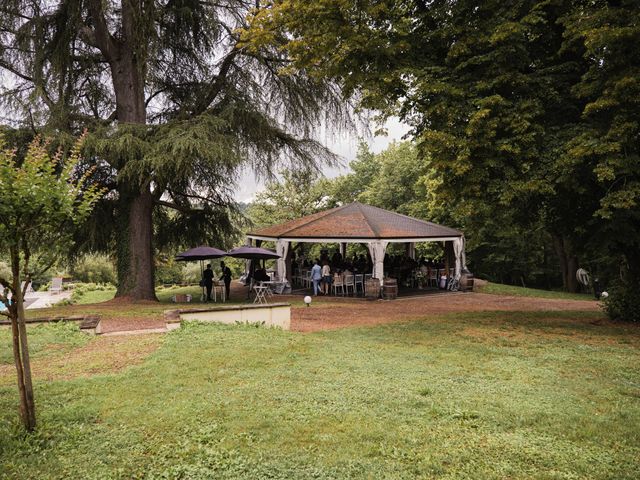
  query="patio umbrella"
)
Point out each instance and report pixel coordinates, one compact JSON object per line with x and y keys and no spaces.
{"x":252,"y":253}
{"x":201,"y":254}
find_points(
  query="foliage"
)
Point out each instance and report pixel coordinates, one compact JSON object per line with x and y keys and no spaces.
{"x":623,"y":302}
{"x":94,"y":268}
{"x":297,"y":194}
{"x":175,"y":107}
{"x":528,"y":107}
{"x":168,"y":270}
{"x":414,"y":400}
{"x":42,"y":200}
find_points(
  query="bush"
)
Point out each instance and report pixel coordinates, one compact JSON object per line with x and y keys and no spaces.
{"x":623,"y":302}
{"x":169,"y":271}
{"x":95,"y":268}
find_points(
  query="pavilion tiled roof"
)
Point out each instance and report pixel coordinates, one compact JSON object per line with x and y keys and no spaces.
{"x":357,"y":220}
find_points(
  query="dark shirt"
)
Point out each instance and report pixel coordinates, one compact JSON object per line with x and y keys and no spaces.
{"x":226,"y":274}
{"x":208,"y":276}
{"x":261,"y":276}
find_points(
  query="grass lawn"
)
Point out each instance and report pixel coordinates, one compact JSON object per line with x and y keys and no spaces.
{"x":478,"y":395}
{"x":501,"y":289}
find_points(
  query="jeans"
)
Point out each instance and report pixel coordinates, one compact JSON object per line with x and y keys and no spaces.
{"x":316,"y":286}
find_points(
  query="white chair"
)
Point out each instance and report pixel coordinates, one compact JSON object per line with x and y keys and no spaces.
{"x":306,"y":280}
{"x":349,"y":282}
{"x":338,"y":282}
{"x":433,"y":277}
{"x":56,"y":285}
{"x":223,"y":291}
{"x":359,"y":280}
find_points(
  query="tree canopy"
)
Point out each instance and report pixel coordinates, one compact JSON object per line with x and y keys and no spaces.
{"x":174,"y":106}
{"x":528,"y":107}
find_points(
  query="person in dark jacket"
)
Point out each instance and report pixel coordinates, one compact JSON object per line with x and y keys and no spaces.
{"x":207,"y":278}
{"x":226,"y":276}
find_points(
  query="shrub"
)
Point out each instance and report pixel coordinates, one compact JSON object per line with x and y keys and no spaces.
{"x":623,"y":302}
{"x":95,"y":268}
{"x":168,"y":271}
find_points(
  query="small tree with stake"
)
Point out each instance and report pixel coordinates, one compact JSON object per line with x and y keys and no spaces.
{"x":42,"y":198}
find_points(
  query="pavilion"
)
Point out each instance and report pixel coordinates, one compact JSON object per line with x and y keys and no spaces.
{"x":364,"y":224}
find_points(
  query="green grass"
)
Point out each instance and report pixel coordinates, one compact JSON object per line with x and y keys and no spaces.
{"x":44,"y":339}
{"x":501,"y":289}
{"x":492,"y":395}
{"x":96,"y":296}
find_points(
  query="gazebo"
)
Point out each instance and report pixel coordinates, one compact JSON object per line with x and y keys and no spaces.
{"x":360,"y":223}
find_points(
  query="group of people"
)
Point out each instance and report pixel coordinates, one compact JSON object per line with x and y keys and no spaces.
{"x":337,"y":263}
{"x":322,"y":276}
{"x":207,"y":280}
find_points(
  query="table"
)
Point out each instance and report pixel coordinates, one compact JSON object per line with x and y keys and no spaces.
{"x":261,"y":294}
{"x":273,"y":286}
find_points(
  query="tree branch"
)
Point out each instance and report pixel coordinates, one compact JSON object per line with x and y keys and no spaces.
{"x":100,"y":35}
{"x":175,"y":206}
{"x":17,"y":73}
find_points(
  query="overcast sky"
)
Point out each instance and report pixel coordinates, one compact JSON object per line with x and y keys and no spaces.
{"x":345,"y":145}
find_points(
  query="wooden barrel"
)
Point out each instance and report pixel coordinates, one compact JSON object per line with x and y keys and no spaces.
{"x":390,"y":288}
{"x":372,"y":288}
{"x":466,"y":282}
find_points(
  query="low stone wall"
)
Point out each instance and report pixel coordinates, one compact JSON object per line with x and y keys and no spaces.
{"x":271,"y":315}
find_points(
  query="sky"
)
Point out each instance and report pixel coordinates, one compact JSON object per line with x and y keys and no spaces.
{"x":345,"y":145}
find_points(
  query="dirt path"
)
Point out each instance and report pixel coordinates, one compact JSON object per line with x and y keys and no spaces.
{"x":356,"y":312}
{"x":332,"y":313}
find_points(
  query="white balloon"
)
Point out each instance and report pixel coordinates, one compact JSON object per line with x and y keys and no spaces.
{"x":604,"y":295}
{"x":307,"y":299}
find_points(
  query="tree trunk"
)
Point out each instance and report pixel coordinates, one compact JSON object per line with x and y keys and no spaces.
{"x":135,"y":236}
{"x":568,"y":263}
{"x":135,"y":246}
{"x":21,"y":348}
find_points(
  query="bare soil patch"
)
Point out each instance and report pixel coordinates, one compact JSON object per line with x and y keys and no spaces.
{"x":357,"y":312}
{"x":118,"y":324}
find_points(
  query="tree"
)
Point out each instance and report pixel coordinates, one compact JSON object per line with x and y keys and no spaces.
{"x":174,"y":106}
{"x":528,"y":107}
{"x":299,"y":193}
{"x":41,"y":200}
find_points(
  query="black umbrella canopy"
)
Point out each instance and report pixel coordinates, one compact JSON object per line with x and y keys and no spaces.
{"x":252,"y":253}
{"x":200,"y":253}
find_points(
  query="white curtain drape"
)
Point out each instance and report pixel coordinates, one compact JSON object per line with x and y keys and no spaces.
{"x":464,"y":254}
{"x":412,"y":250}
{"x":377,"y":249}
{"x":282,"y":248}
{"x":461,"y":258}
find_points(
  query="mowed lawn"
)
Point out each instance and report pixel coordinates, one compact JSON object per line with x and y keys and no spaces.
{"x":475,"y":395}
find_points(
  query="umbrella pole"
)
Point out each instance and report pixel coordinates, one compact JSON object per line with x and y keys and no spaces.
{"x":203,"y":297}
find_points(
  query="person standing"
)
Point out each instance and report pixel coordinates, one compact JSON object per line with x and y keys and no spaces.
{"x":316,"y":276}
{"x":326,"y":277}
{"x":207,"y":278}
{"x":226,"y":276}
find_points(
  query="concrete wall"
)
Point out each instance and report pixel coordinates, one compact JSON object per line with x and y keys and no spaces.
{"x":274,"y":315}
